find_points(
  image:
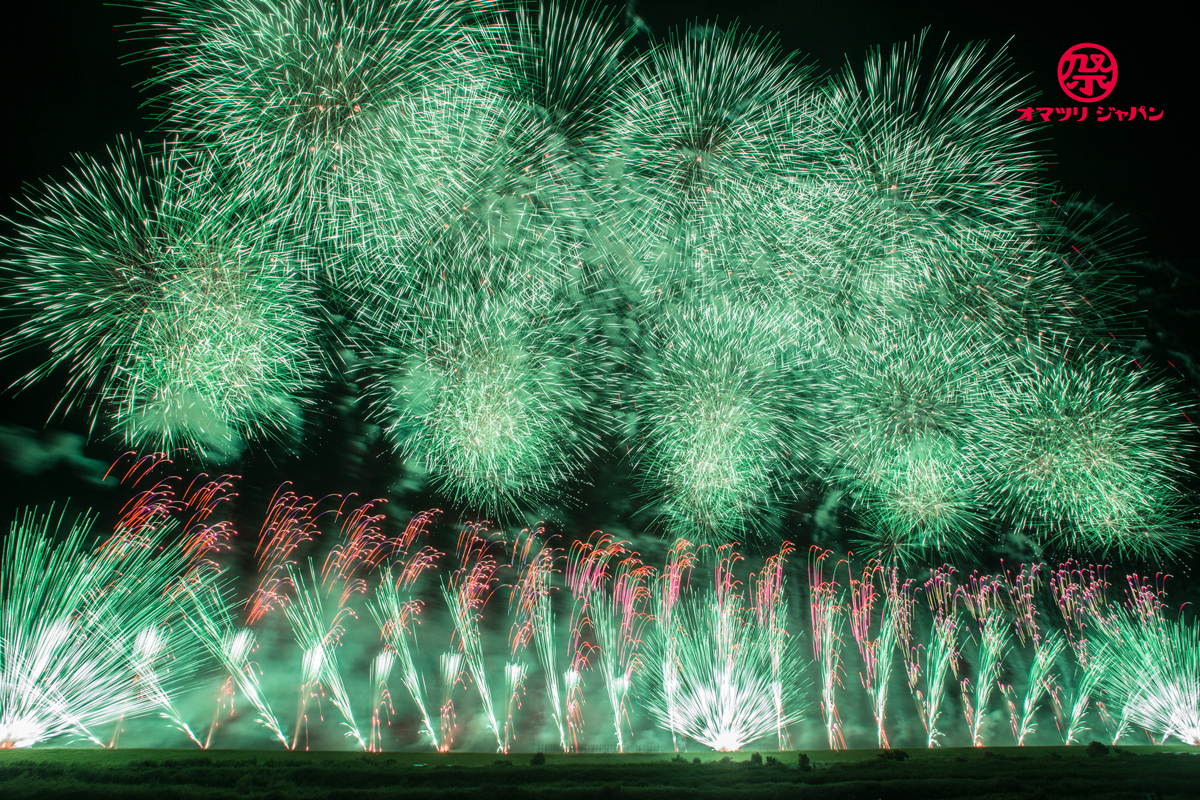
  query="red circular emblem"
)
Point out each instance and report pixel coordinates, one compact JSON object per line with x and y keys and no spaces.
{"x":1087,"y":72}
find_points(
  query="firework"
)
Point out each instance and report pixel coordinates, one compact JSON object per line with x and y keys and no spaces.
{"x":726,"y":695}
{"x":318,"y":634}
{"x":720,"y":417}
{"x":535,"y":621}
{"x":470,"y":587}
{"x":470,"y":174}
{"x":174,"y":315}
{"x":618,"y":616}
{"x":77,"y":623}
{"x":667,"y":593}
{"x":708,"y":128}
{"x":493,"y":393}
{"x":295,"y":95}
{"x":1080,"y":593}
{"x":451,"y":665}
{"x":925,"y":138}
{"x":290,"y":521}
{"x":1022,"y":591}
{"x":984,"y":601}
{"x":381,"y":670}
{"x":212,"y":623}
{"x":942,"y":653}
{"x":515,"y":673}
{"x":1085,"y":452}
{"x":396,"y":613}
{"x":567,"y":62}
{"x":877,"y":653}
{"x":1040,"y":680}
{"x":902,"y":599}
{"x":1150,"y":668}
{"x":911,"y":396}
{"x":827,"y":613}
{"x":771,"y":614}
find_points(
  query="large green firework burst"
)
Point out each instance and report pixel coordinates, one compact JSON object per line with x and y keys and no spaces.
{"x":168,"y":307}
{"x":507,"y":219}
{"x":292,"y":93}
{"x":1084,"y":450}
{"x":566,"y":61}
{"x":497,"y":392}
{"x":710,"y":126}
{"x":723,"y":416}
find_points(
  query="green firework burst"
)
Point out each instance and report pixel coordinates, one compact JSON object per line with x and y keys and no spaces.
{"x":709,"y":128}
{"x":169,"y":308}
{"x":292,"y":92}
{"x":722,"y":421}
{"x":494,"y":393}
{"x":1085,"y":451}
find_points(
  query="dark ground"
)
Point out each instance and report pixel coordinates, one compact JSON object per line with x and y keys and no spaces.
{"x":1151,"y":773}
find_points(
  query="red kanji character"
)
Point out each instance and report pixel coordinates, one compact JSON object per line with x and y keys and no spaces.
{"x":1045,"y":113}
{"x":1083,"y":113}
{"x":1154,"y":116}
{"x":1135,"y":110}
{"x":1100,"y":111}
{"x":1026,"y":114}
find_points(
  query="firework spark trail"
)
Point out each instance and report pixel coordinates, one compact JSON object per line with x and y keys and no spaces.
{"x":360,"y":543}
{"x":318,"y":634}
{"x":681,"y":559}
{"x":1146,"y":598}
{"x":587,"y":570}
{"x":290,"y":521}
{"x":618,"y":618}
{"x":1080,"y":591}
{"x":1041,"y":682}
{"x":451,"y":665}
{"x":212,"y":623}
{"x":514,"y":680}
{"x":877,"y":653}
{"x":826,"y":611}
{"x":942,"y":654}
{"x":381,"y":698}
{"x":725,"y":696}
{"x":534,"y":619}
{"x":192,"y":507}
{"x":771,"y":614}
{"x":1022,"y":591}
{"x":395,"y":611}
{"x":70,"y":616}
{"x":902,"y":599}
{"x":983,"y":599}
{"x":1152,"y":666}
{"x":470,"y":587}
{"x":147,"y":662}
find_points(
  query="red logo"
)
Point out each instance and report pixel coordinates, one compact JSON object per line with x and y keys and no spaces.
{"x":1087,"y":72}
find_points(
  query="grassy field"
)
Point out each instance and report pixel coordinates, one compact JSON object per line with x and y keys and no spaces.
{"x":1161,"y":773}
